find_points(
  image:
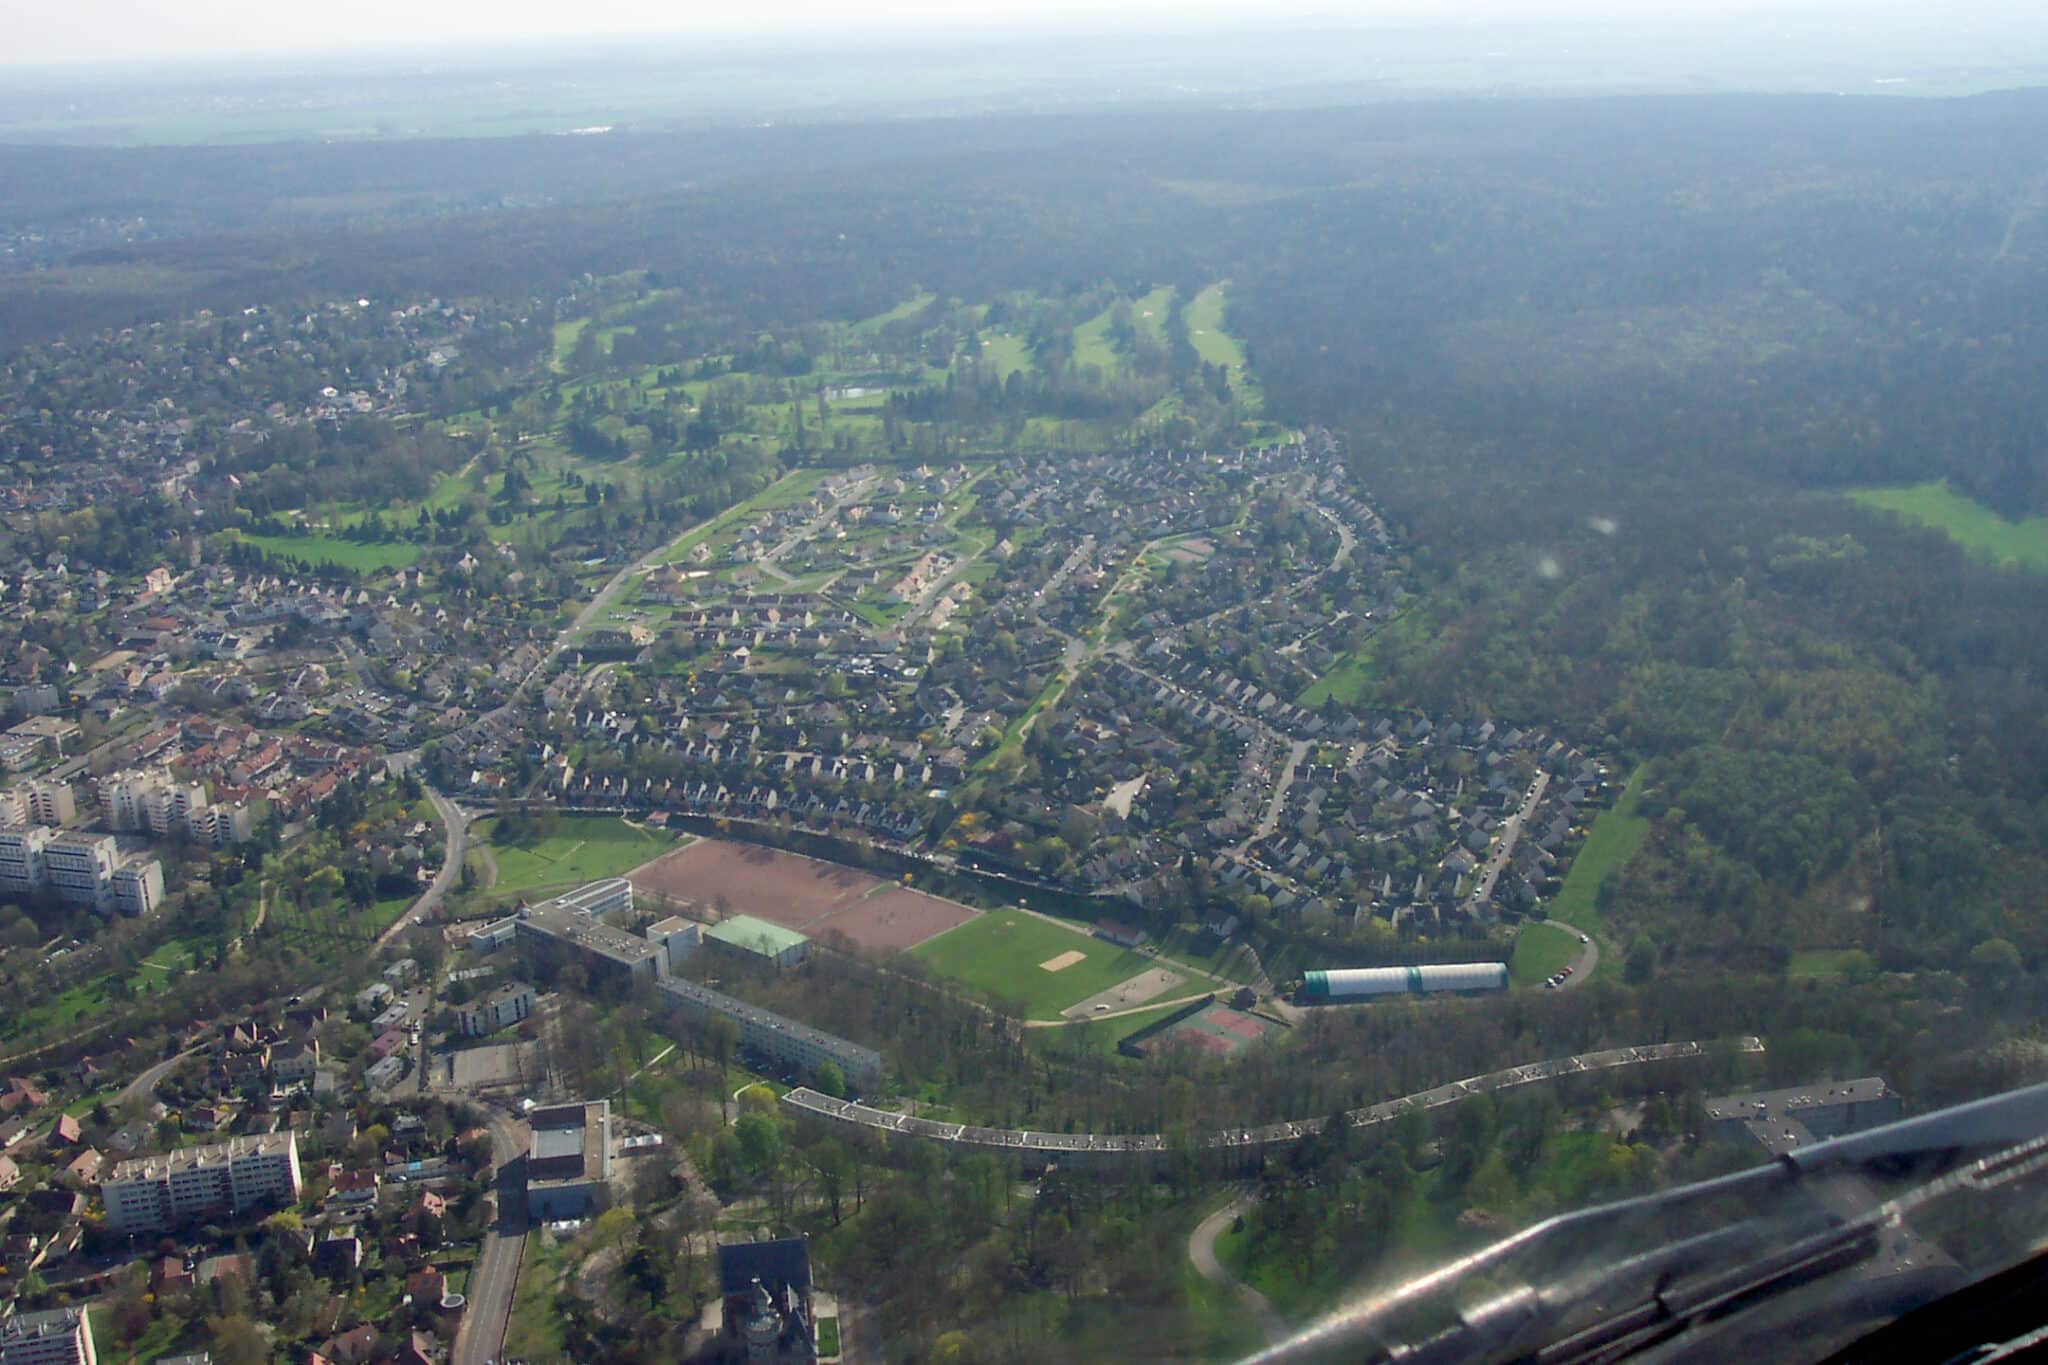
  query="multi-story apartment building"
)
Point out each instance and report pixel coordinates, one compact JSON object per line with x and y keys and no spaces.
{"x":80,"y":868}
{"x":21,"y":858}
{"x":502,"y":1008}
{"x":138,"y":887}
{"x":153,"y":800}
{"x":60,"y":1336}
{"x":154,"y":1193}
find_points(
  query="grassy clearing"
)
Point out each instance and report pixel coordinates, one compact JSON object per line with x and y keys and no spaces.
{"x":1148,"y":314}
{"x":1827,"y":964}
{"x":1972,"y":525}
{"x":360,"y":557}
{"x":1005,"y":354}
{"x":1102,"y":1035}
{"x":1000,"y":954}
{"x":1092,"y":345}
{"x":1220,"y":1327}
{"x":1610,"y":843}
{"x":1357,"y":674}
{"x":585,"y":848}
{"x":828,"y":1337}
{"x":901,"y":311}
{"x":1541,"y":951}
{"x":1216,"y":346}
{"x":566,"y":335}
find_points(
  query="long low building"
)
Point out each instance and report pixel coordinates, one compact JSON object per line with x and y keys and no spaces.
{"x":1444,"y":978}
{"x":765,"y":1032}
{"x":154,"y":1193}
{"x":1038,"y":1149}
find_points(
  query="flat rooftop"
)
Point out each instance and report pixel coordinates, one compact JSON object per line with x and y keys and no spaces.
{"x":1793,"y":1099}
{"x":593,"y":893}
{"x":734,"y":1008}
{"x":569,"y":926}
{"x":755,"y":935}
{"x":161,"y":1164}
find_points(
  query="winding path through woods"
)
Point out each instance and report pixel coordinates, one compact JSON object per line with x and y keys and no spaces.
{"x":1202,"y":1251}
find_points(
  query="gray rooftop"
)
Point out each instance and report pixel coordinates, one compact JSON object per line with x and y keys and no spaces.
{"x":1793,"y":1099}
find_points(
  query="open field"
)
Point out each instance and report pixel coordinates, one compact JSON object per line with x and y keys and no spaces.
{"x":1541,"y":951}
{"x":901,"y":311}
{"x":733,"y":878}
{"x":1609,"y":844}
{"x":1216,"y":346}
{"x":893,"y":920}
{"x":1092,"y":345}
{"x":1005,"y":353}
{"x":721,"y":877}
{"x":359,"y":556}
{"x":1827,"y":964}
{"x":585,"y":848}
{"x":1970,"y":524}
{"x":1001,"y":954}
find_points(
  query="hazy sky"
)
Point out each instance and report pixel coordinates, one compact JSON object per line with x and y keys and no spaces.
{"x":64,"y":32}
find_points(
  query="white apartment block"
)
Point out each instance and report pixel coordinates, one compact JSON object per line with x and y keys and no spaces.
{"x":60,"y":1336}
{"x":139,"y":887}
{"x":21,"y":858}
{"x":503,"y":1007}
{"x":153,"y":800}
{"x":154,"y":1193}
{"x":40,"y":803}
{"x":80,"y":868}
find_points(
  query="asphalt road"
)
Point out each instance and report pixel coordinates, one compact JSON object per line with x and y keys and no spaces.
{"x":481,"y":1336}
{"x":1202,"y":1252}
{"x":454,"y":844}
{"x":1589,"y":952}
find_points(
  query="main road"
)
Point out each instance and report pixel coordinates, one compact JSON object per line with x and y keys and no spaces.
{"x":454,"y":848}
{"x":495,"y":1278}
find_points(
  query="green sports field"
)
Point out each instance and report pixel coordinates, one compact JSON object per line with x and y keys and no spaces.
{"x":1000,"y":954}
{"x":585,"y":848}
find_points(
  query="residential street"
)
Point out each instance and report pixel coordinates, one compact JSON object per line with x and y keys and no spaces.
{"x":491,"y":1284}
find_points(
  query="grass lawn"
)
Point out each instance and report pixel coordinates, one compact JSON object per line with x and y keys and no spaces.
{"x":366,"y":557}
{"x":1541,"y":951}
{"x":157,"y":1340}
{"x":1092,"y":346}
{"x":1005,"y":354}
{"x":1148,"y":314}
{"x":1972,"y":525}
{"x":566,"y":334}
{"x":585,"y":848}
{"x":898,"y":313}
{"x":1826,"y":964}
{"x":1000,"y":954}
{"x":1610,"y":843}
{"x":1216,"y":346}
{"x":828,"y":1336}
{"x":537,"y":1330}
{"x":1102,"y":1035}
{"x":1355,"y":675}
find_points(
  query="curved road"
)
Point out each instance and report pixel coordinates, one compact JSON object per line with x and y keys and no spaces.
{"x":1589,"y":952}
{"x":454,"y":845}
{"x":1202,"y":1251}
